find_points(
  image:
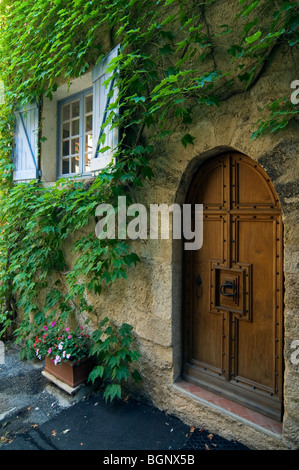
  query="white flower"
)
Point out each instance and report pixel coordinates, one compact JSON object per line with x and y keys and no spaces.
{"x":57,"y":359}
{"x":68,"y":356}
{"x":60,"y":346}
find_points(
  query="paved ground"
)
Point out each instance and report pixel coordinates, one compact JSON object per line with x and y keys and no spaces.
{"x":36,"y":415}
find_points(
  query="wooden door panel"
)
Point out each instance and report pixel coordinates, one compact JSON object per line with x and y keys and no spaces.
{"x":205,"y":326}
{"x":250,"y":187}
{"x":255,"y":362}
{"x":208,"y":351}
{"x":213,"y":195}
{"x":256,"y":340}
{"x":233,"y":341}
{"x":211,"y":186}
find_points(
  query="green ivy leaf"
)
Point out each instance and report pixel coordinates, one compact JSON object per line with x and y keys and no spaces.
{"x":254,"y":37}
{"x":97,"y":372}
{"x":136,"y":99}
{"x":112,"y":391}
{"x":187,"y":139}
{"x":167,"y":49}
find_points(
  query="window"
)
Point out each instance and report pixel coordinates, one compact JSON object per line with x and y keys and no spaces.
{"x":80,"y":119}
{"x":73,"y":120}
{"x":75,"y":133}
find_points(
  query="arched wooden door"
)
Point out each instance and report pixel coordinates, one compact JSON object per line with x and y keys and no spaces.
{"x":233,"y":286}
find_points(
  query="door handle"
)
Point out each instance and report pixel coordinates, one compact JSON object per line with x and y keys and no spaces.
{"x":228,"y":285}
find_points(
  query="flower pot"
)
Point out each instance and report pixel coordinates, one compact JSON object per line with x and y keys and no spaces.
{"x":68,"y":372}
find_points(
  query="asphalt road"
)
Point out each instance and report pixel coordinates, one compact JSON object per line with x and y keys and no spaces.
{"x":36,"y":415}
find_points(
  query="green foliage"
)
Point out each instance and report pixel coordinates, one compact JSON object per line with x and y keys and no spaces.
{"x":277,"y":116}
{"x":36,"y":221}
{"x":60,"y":343}
{"x":167,"y":73}
{"x":112,"y":347}
{"x":6,"y":136}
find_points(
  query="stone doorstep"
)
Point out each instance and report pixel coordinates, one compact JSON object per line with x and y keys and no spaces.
{"x":226,"y":406}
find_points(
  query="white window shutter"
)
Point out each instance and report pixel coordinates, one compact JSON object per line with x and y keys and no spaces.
{"x":25,"y":154}
{"x":101,"y":102}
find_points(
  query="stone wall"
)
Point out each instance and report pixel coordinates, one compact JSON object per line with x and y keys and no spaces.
{"x":151,"y":297}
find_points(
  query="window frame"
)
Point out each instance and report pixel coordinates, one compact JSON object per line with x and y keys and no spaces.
{"x":80,"y":95}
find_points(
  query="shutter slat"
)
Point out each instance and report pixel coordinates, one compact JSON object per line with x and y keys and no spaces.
{"x":102,"y":101}
{"x":105,"y":115}
{"x":30,"y":126}
{"x":25,"y":143}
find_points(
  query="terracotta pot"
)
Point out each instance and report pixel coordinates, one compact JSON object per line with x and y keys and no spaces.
{"x":71,"y":373}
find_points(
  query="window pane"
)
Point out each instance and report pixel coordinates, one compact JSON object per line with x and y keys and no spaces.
{"x":65,"y":166}
{"x":88,"y":104}
{"x":75,"y":127}
{"x":65,"y":130}
{"x":75,"y":146}
{"x":75,"y":108}
{"x":88,"y":123}
{"x":87,"y":162}
{"x":66,"y":112}
{"x":75,"y":165}
{"x":65,"y":148}
{"x":88,"y":143}
{"x":76,"y":124}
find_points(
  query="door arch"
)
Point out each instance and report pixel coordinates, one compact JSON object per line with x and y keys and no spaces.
{"x":233,"y":286}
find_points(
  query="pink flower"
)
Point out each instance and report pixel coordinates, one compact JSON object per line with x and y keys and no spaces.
{"x":45,"y":327}
{"x":67,"y":329}
{"x":69,"y":337}
{"x":49,"y":351}
{"x":53,"y":323}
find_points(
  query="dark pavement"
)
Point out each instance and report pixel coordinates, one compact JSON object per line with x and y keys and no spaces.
{"x":92,"y":424}
{"x":36,"y":415}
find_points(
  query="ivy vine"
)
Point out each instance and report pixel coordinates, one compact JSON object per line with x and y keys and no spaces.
{"x":166,"y":67}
